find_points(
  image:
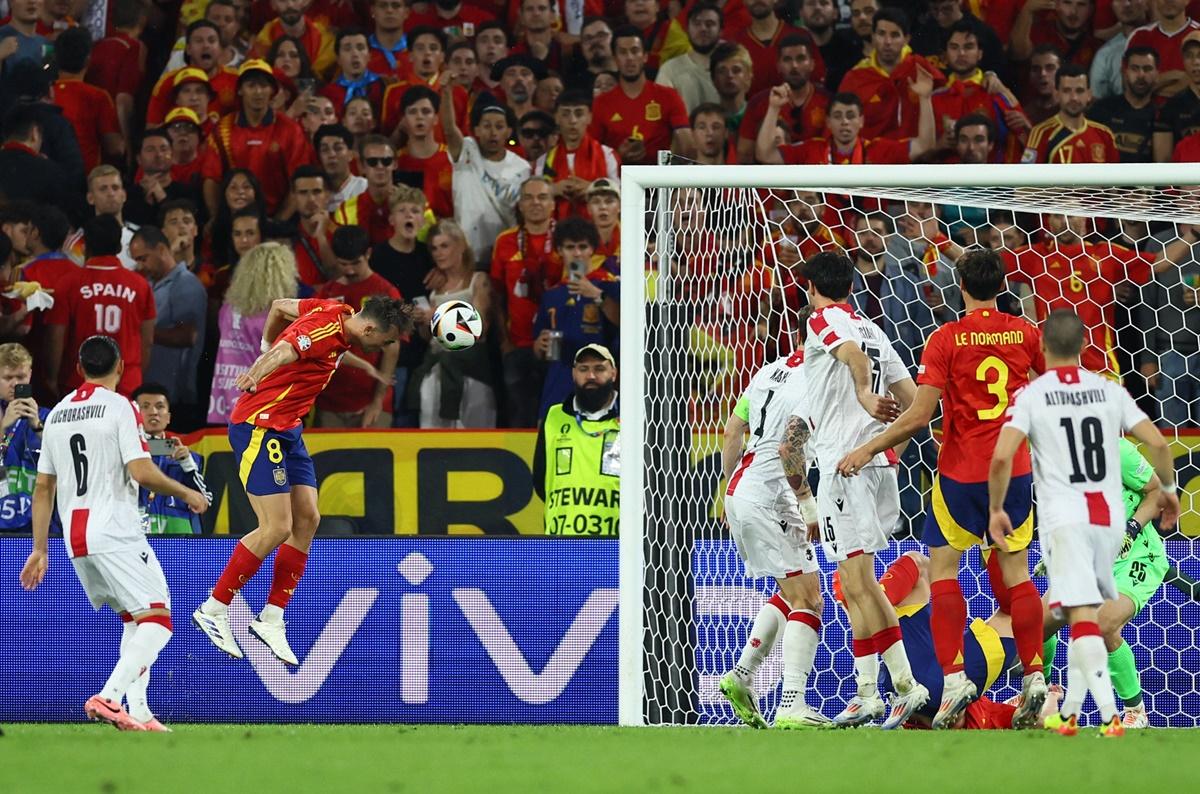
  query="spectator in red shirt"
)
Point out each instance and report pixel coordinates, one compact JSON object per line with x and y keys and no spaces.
{"x":55,"y":19}
{"x":491,"y":46}
{"x":456,"y":19}
{"x":90,"y":110}
{"x":578,"y":159}
{"x":710,"y":130}
{"x":422,"y":153}
{"x":202,"y":51}
{"x":314,"y":257}
{"x":369,"y":209}
{"x":974,"y":140}
{"x":639,"y":118}
{"x":763,"y":38}
{"x":293,"y":20}
{"x":1069,"y":136}
{"x":804,"y":113}
{"x":354,"y":398}
{"x":427,"y":49}
{"x":184,"y":130}
{"x":524,"y":266}
{"x":49,"y":267}
{"x":192,"y":90}
{"x":662,"y":37}
{"x":1062,"y":23}
{"x":1165,"y":36}
{"x":463,"y":65}
{"x":354,"y":78}
{"x":267,"y":143}
{"x":845,"y":144}
{"x":118,"y":62}
{"x":102,"y":297}
{"x":882,"y":79}
{"x":517,"y":76}
{"x":539,"y":40}
{"x":389,"y":47}
{"x":1040,"y":98}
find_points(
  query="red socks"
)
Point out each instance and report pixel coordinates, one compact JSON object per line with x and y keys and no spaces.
{"x":885,"y":638}
{"x":1085,"y":628}
{"x":778,"y":602}
{"x":1026,"y":614}
{"x":241,"y":567}
{"x":996,"y":580}
{"x":947,"y":620}
{"x":899,"y":579}
{"x":289,"y":567}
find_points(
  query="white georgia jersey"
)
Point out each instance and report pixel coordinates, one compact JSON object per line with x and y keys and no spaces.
{"x":772,"y":397}
{"x":830,"y":406}
{"x":88,"y":439}
{"x":1075,"y":420}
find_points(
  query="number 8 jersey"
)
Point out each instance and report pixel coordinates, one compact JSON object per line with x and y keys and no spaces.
{"x":88,"y":440}
{"x":979,"y":362}
{"x":1074,"y":420}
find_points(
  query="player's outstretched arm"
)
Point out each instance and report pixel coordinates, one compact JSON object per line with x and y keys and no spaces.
{"x":999,"y":475}
{"x":281,"y":353}
{"x":1159,"y":455}
{"x":881,"y":407}
{"x":732,"y":443}
{"x":918,"y":414}
{"x":150,"y":477}
{"x":43,"y":505}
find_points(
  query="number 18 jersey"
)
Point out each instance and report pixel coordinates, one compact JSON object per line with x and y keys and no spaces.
{"x":1075,"y":420}
{"x":772,"y":396}
{"x":88,"y":439}
{"x":979,"y":362}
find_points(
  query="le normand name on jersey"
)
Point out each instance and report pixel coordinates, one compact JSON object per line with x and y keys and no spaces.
{"x":1075,"y":398}
{"x":985,"y":338}
{"x":77,"y":414}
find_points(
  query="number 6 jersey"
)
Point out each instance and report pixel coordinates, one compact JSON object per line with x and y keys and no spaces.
{"x":88,"y":439}
{"x":1075,"y":420}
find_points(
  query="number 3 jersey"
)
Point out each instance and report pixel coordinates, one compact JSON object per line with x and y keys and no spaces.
{"x":978,"y":363}
{"x":88,"y":440}
{"x":838,"y":421}
{"x":1075,"y":420}
{"x":771,"y":398}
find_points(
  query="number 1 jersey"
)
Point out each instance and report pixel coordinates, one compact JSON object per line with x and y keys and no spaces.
{"x":979,"y":362}
{"x":1075,"y":420}
{"x":88,"y":440}
{"x":770,"y":400}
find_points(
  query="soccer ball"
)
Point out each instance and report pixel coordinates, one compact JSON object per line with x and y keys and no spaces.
{"x":456,"y":325}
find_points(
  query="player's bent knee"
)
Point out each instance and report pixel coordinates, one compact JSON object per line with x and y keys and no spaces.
{"x":1114,"y":615}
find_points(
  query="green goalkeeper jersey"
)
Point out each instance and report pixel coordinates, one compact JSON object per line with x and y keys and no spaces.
{"x":1136,"y":471}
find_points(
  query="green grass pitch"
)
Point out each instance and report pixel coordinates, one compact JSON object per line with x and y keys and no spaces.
{"x":569,"y":759}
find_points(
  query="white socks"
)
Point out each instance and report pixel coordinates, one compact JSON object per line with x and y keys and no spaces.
{"x":800,"y":638}
{"x":137,"y":656}
{"x":762,"y":638}
{"x":212,"y":606}
{"x":137,"y":703}
{"x":866,"y":675}
{"x":1087,"y":670}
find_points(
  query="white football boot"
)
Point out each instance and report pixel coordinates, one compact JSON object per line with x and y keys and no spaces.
{"x":903,"y":705}
{"x":216,"y":627}
{"x":273,"y":634}
{"x":957,"y":693}
{"x":860,"y":711}
{"x":1033,"y":695}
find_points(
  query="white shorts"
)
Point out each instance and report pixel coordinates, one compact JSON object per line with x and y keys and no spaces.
{"x":771,"y":542}
{"x":128,"y":580}
{"x":858,"y":513}
{"x":1079,"y":563}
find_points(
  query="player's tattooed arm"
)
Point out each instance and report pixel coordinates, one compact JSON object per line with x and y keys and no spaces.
{"x":791,"y":453}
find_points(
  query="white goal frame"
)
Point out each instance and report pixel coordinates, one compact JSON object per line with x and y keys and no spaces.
{"x":635,"y":180}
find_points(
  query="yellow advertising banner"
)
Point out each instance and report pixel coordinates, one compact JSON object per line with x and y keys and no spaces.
{"x":407,"y":482}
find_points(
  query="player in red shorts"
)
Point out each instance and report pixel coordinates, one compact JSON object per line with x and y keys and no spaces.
{"x":974,"y":366}
{"x":273,"y":464}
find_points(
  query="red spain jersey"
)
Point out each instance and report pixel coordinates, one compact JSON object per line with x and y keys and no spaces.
{"x":1080,"y":50}
{"x":351,"y":389}
{"x":363,"y":211}
{"x":462,"y":25}
{"x":804,"y":122}
{"x":308,"y":256}
{"x":1082,"y":277}
{"x":390,"y":116}
{"x":316,"y":38}
{"x":1053,"y":142}
{"x":103,"y":297}
{"x":92,"y":114}
{"x":526,"y":265}
{"x":979,"y":363}
{"x":821,"y":151}
{"x":272,"y":151}
{"x":890,"y":108}
{"x":1167,"y":45}
{"x":117,"y":65}
{"x":389,"y":63}
{"x":437,"y":172}
{"x":961,"y":97}
{"x":161,"y":103}
{"x":765,"y":54}
{"x":652,"y":117}
{"x":285,"y":397}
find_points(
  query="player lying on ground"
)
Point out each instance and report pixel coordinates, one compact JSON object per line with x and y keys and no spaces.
{"x":273,"y":463}
{"x":94,"y":457}
{"x":974,"y":366}
{"x":770,"y":517}
{"x":988,"y":646}
{"x":850,"y":367}
{"x":1074,"y":420}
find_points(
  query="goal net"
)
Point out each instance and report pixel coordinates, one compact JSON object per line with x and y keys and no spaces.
{"x":712,"y":289}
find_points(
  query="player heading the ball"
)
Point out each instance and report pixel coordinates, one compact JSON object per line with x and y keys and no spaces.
{"x":1074,"y":420}
{"x":94,"y":457}
{"x":850,"y":368}
{"x":974,"y":365}
{"x":273,"y":463}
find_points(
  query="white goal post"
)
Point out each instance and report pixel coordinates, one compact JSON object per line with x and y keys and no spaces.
{"x":667,"y":653}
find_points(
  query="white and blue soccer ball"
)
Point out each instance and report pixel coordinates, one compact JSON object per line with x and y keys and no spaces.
{"x":456,"y":325}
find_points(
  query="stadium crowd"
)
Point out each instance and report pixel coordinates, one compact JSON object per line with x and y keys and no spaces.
{"x":168,"y":169}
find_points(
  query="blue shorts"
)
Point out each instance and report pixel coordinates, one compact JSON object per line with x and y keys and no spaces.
{"x":958,"y":513}
{"x":271,"y":461}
